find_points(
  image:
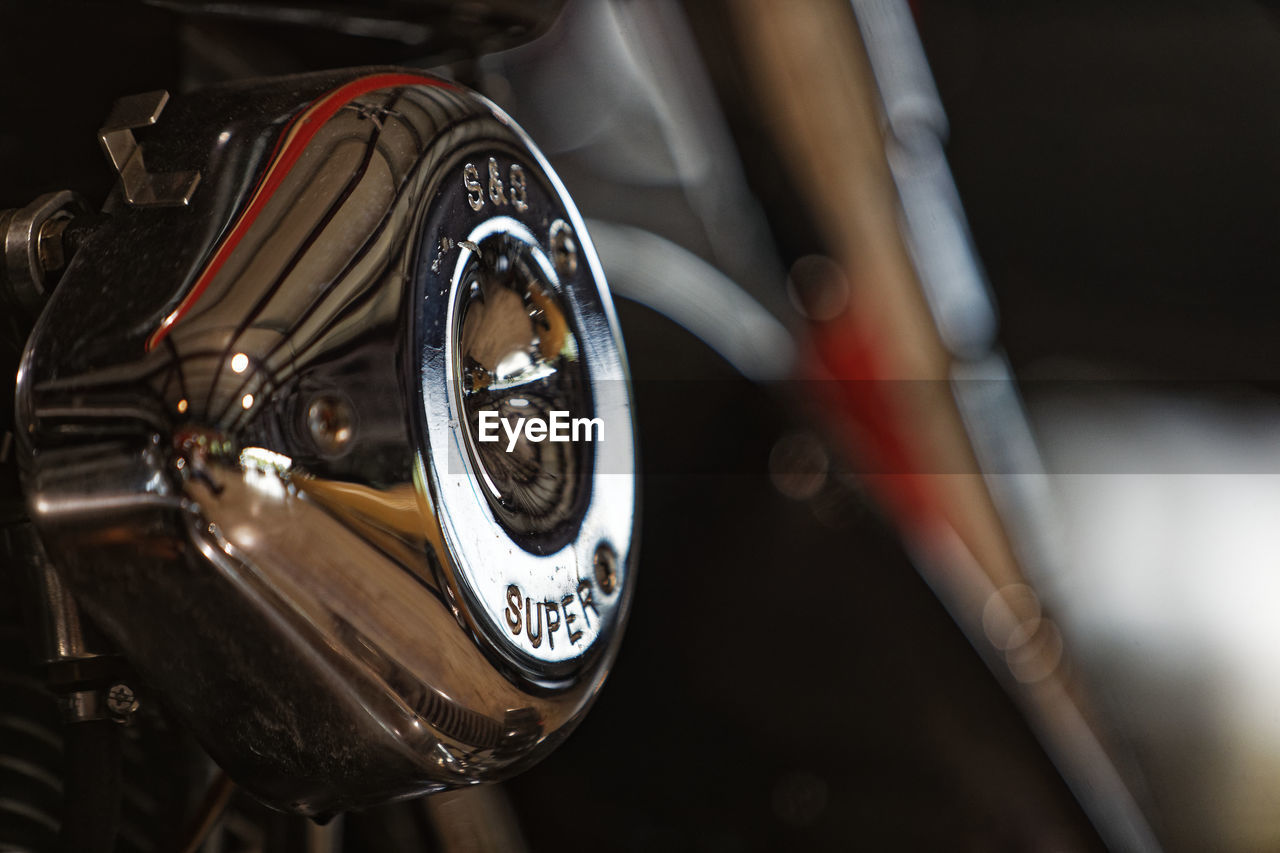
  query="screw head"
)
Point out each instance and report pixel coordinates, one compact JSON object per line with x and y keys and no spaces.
{"x":121,"y":700}
{"x":564,"y":249}
{"x":331,"y":422}
{"x":606,"y":566}
{"x":799,"y":465}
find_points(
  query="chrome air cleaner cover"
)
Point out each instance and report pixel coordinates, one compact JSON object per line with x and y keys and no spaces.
{"x":259,"y":439}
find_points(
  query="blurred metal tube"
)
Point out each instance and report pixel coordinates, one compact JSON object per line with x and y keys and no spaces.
{"x":907,"y":91}
{"x":869,"y":165}
{"x":478,"y":819}
{"x":684,"y":288}
{"x":937,"y":235}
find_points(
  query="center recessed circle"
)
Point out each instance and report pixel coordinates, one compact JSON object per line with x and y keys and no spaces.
{"x":523,"y":392}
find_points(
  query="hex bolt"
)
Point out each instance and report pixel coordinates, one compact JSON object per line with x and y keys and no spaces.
{"x":121,"y":701}
{"x":32,"y":249}
{"x":606,"y":566}
{"x":564,"y":249}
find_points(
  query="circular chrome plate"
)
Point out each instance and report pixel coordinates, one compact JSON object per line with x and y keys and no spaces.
{"x":529,"y":447}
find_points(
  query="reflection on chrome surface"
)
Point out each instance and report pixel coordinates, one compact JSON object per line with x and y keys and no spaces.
{"x":258,"y":443}
{"x":519,"y":358}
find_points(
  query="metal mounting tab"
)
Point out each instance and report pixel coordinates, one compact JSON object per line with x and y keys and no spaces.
{"x":142,"y":188}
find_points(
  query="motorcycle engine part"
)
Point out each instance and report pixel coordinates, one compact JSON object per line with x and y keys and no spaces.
{"x":334,"y":453}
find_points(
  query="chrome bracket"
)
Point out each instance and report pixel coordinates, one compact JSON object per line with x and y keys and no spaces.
{"x":142,"y":188}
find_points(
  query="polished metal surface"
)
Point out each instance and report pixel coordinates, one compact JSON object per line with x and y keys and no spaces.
{"x":142,"y":187}
{"x":268,"y":437}
{"x":517,"y":353}
{"x":516,"y":356}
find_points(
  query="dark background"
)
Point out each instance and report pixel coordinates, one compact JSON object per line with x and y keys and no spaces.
{"x":1118,"y":163}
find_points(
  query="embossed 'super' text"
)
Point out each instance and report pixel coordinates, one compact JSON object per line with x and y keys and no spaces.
{"x":540,"y":621}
